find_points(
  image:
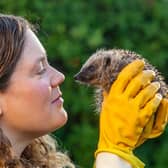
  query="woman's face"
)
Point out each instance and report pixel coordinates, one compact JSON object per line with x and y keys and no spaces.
{"x":32,"y":104}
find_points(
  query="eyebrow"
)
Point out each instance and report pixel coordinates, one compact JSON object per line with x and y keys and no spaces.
{"x":39,"y":59}
{"x":42,"y":58}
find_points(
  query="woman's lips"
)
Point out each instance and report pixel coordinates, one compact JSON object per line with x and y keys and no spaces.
{"x":58,"y":100}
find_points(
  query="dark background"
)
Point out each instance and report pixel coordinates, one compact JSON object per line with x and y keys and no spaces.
{"x":71,"y":30}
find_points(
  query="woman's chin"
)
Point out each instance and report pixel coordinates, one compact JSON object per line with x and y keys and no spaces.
{"x":61,"y":119}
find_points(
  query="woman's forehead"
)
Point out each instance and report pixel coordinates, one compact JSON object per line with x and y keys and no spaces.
{"x":32,"y":43}
{"x":33,"y":49}
{"x":32,"y":52}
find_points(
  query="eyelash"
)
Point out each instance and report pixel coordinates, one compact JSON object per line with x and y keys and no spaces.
{"x":43,"y":70}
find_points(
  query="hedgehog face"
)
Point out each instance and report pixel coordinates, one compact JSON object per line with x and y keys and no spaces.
{"x":87,"y":74}
{"x":93,"y":71}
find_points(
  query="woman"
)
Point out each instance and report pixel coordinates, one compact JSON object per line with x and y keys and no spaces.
{"x":31,"y":105}
{"x":32,"y":102}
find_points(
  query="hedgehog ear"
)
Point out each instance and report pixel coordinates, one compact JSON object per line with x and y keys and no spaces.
{"x":106,"y":62}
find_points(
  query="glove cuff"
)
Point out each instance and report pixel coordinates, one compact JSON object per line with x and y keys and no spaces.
{"x":128,"y":156}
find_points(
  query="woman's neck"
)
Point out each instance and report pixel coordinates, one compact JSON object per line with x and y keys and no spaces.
{"x":16,"y":142}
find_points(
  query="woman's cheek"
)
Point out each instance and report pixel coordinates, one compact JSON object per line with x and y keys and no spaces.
{"x":42,"y":95}
{"x":44,"y":91}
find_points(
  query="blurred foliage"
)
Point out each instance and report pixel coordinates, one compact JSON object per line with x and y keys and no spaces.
{"x":73,"y":30}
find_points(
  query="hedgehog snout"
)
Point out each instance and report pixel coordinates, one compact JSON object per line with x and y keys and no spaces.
{"x":76,"y":76}
{"x":79,"y":77}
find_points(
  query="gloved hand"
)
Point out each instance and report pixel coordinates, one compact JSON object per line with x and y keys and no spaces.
{"x":156,"y":124}
{"x":126,"y":110}
{"x":161,"y":119}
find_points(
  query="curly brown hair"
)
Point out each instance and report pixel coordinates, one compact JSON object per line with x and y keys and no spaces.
{"x":42,"y":152}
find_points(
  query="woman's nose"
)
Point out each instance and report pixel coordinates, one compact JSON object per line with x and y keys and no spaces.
{"x":56,"y":78}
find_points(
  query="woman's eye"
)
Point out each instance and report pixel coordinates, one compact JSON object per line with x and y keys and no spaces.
{"x":42,"y":69}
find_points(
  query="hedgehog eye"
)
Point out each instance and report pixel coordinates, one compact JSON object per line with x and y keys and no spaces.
{"x":91,"y":68}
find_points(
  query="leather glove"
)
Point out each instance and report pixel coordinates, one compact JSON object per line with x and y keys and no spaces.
{"x":126,"y":110}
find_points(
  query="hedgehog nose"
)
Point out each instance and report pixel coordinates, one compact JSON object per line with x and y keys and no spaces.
{"x":76,"y":77}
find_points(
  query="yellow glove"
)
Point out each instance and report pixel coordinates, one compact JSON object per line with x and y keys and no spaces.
{"x":156,"y":124}
{"x":161,"y":119}
{"x":126,"y":110}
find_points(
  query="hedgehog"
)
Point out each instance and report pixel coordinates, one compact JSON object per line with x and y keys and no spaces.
{"x":102,"y":68}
